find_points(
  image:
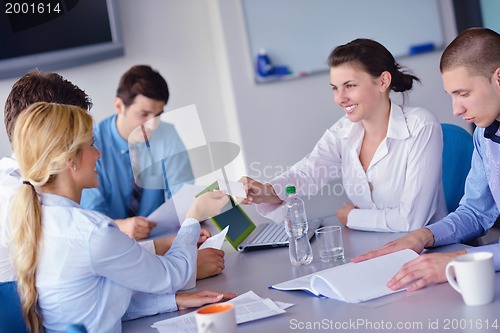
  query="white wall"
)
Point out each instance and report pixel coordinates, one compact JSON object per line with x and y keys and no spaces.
{"x":281,"y":121}
{"x":201,"y":48}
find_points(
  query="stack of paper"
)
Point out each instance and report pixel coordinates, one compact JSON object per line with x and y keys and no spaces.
{"x":248,"y":306}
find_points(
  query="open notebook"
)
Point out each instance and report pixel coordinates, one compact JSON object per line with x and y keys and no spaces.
{"x":352,"y":282}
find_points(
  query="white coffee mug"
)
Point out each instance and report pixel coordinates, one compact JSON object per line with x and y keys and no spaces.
{"x":216,"y":318}
{"x":475,"y":277}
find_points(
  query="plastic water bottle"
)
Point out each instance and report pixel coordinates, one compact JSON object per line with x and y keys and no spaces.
{"x":295,"y":221}
{"x":264,"y":66}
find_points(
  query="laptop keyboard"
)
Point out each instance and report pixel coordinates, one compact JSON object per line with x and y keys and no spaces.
{"x":271,"y":233}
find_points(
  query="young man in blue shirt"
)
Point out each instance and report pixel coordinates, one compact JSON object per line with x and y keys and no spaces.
{"x":470,"y":68}
{"x":141,"y":96}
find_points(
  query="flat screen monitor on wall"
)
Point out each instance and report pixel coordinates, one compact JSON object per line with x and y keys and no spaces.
{"x":55,"y":34}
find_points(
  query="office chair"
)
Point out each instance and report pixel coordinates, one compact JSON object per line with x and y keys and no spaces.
{"x":11,"y":316}
{"x":457,"y":155}
{"x":76,"y":328}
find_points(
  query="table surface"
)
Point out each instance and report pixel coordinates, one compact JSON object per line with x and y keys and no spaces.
{"x":436,"y":308}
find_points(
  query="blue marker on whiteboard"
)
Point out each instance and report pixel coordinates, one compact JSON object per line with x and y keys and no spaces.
{"x":264,"y":66}
{"x":422,"y":48}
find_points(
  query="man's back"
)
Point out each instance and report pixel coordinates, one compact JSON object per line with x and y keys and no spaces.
{"x":10,"y":181}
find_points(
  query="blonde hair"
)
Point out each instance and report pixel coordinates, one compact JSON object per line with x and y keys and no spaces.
{"x":46,"y":137}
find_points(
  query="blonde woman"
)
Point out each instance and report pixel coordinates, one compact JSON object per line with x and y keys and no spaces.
{"x":74,"y":265}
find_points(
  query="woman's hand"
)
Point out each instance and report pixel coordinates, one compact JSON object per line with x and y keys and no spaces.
{"x":199,"y":298}
{"x":258,"y":192}
{"x":207,"y":205}
{"x":343,"y":212}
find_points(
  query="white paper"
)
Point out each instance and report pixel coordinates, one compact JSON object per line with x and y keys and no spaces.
{"x":169,"y":216}
{"x":216,"y":241}
{"x":248,"y":307}
{"x":353,"y":282}
{"x":235,"y":189}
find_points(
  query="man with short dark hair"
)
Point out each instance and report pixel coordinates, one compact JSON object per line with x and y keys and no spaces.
{"x":470,"y":68}
{"x":35,"y":86}
{"x":141,"y":96}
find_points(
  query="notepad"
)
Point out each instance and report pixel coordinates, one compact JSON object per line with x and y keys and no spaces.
{"x":353,"y":282}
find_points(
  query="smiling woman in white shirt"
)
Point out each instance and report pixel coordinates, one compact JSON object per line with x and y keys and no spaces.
{"x":389,"y":156}
{"x":74,"y":265}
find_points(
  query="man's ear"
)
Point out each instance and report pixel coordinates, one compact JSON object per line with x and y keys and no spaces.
{"x":385,"y":81}
{"x":119,"y":105}
{"x":496,"y":77}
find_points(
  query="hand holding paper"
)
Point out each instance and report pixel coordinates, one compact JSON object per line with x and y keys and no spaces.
{"x":215,"y":241}
{"x":232,"y":188}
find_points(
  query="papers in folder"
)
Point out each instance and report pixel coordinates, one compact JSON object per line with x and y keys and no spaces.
{"x":353,"y":282}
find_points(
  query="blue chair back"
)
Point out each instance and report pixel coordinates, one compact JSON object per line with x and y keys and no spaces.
{"x":11,"y":316}
{"x":76,"y":328}
{"x":457,"y":155}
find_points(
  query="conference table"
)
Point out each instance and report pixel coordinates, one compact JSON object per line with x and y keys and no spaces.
{"x":436,"y":308}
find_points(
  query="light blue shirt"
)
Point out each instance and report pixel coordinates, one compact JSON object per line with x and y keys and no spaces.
{"x":92,"y":273}
{"x":113,"y":195}
{"x":480,"y":204}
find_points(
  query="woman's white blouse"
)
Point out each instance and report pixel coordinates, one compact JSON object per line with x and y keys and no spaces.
{"x":402,"y":188}
{"x":92,"y":273}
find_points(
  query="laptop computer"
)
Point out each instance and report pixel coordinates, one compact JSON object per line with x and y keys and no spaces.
{"x":245,"y":235}
{"x":269,"y":234}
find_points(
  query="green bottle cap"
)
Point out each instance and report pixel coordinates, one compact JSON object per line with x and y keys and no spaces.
{"x":290,"y":190}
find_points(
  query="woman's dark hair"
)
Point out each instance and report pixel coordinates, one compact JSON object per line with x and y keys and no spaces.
{"x":374,"y":59}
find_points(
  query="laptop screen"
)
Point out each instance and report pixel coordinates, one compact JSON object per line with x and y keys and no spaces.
{"x":240,"y":225}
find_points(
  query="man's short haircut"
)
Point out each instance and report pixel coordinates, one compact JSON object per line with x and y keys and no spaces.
{"x":476,"y":49}
{"x":38,"y":86}
{"x":142,"y":80}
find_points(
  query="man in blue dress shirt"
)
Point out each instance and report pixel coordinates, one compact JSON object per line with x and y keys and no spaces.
{"x":470,"y":68}
{"x":141,"y":96}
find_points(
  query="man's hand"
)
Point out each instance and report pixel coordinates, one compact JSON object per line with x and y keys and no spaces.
{"x":258,"y":192}
{"x":416,"y":241}
{"x":210,"y":262}
{"x":199,"y":298}
{"x":137,"y":227}
{"x":204,"y":235}
{"x":422,"y":271}
{"x":162,"y":245}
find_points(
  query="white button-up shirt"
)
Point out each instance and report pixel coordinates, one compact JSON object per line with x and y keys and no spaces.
{"x":92,"y":273}
{"x":401,"y":189}
{"x":10,"y":181}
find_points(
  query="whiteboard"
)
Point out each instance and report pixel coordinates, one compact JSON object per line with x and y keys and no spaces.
{"x":301,"y":33}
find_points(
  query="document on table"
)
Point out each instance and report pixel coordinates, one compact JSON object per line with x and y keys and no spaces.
{"x":248,"y":306}
{"x":353,"y":282}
